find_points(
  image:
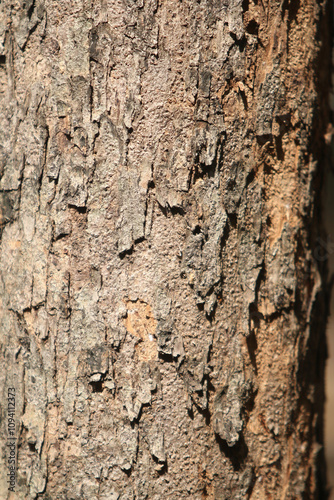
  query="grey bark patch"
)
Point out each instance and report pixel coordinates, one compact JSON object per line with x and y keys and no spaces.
{"x":157,"y":448}
{"x":132,"y":211}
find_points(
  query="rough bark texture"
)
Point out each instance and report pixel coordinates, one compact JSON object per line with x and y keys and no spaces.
{"x":163,"y":297}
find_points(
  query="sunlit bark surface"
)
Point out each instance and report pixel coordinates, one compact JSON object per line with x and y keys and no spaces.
{"x":163,"y":298}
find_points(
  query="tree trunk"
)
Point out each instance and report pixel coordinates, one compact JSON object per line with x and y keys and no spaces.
{"x":163,"y":270}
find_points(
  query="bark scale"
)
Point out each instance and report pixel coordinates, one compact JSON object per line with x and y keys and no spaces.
{"x":162,"y":284}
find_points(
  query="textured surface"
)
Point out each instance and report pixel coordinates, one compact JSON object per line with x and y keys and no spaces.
{"x":163,"y":311}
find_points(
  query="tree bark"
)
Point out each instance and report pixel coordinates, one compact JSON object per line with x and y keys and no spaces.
{"x":163,"y":266}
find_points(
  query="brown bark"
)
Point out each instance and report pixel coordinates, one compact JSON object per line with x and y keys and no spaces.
{"x":162,"y":285}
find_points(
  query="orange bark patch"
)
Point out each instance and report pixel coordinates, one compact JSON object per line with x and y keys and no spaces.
{"x":13,"y":244}
{"x":140,"y":323}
